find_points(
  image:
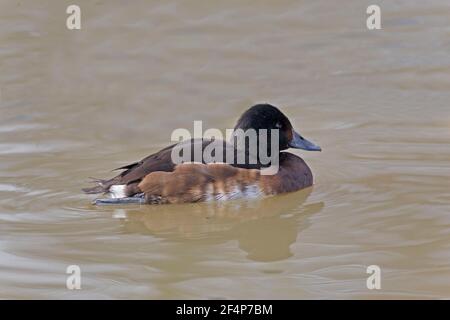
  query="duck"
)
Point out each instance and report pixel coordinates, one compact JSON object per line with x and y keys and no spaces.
{"x":158,"y":179}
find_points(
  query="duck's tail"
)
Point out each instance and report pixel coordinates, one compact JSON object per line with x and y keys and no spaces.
{"x":101,"y":187}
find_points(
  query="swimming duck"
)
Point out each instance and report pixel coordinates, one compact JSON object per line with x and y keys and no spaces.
{"x":157,"y":179}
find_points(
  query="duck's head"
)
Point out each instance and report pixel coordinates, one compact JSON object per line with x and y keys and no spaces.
{"x":266,"y":116}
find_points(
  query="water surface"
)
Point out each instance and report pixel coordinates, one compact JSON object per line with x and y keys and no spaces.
{"x":76,"y":104}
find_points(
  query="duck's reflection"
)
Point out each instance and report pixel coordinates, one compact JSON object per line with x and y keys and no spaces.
{"x":265,"y":229}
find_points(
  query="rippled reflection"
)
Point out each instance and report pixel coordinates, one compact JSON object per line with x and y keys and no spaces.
{"x":264,"y":229}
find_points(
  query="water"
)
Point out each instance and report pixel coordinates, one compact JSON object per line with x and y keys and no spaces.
{"x":76,"y":104}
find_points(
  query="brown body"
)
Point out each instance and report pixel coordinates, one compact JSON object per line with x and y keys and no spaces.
{"x":194,"y":182}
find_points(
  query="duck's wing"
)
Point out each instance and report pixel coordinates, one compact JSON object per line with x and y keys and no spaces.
{"x":162,"y":161}
{"x":135,"y":172}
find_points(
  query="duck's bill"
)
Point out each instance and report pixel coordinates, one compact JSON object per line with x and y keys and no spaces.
{"x":298,"y":142}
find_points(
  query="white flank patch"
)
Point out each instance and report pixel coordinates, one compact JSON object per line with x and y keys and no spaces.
{"x":117,"y":191}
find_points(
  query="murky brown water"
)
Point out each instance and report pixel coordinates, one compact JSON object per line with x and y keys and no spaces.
{"x":76,"y":104}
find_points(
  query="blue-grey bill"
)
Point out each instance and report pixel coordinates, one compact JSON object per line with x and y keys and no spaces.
{"x":298,"y":142}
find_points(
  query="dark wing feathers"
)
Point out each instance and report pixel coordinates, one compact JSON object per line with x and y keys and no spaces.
{"x":159,"y":161}
{"x":148,"y":158}
{"x":128,"y":166}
